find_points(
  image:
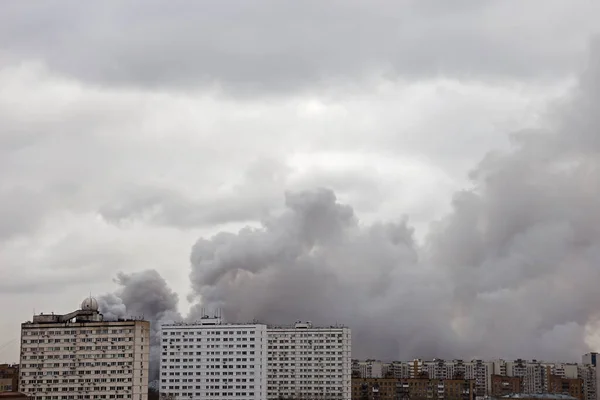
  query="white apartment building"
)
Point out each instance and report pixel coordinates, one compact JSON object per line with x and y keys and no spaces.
{"x":80,"y":356}
{"x":209,"y":359}
{"x":306,"y":362}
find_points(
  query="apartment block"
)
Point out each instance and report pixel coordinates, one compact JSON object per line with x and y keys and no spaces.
{"x":308,"y":362}
{"x":412,"y":388}
{"x":210,"y":359}
{"x":81,"y":356}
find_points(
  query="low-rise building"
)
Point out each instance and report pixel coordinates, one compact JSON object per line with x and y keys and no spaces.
{"x":412,"y":388}
{"x":506,"y":385}
{"x":9,"y":377}
{"x":569,"y":386}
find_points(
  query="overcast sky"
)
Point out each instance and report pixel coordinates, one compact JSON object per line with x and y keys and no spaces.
{"x":129,"y":130}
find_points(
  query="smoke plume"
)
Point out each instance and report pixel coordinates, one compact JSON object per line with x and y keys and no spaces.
{"x":143,"y":294}
{"x":511,"y":272}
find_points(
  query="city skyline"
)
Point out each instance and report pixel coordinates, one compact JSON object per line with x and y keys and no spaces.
{"x":423,"y":172}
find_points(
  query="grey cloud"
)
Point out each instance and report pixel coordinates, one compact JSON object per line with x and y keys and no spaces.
{"x":281,"y":46}
{"x":253,"y":197}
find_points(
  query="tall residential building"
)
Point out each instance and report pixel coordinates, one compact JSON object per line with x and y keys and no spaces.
{"x":214,"y":360}
{"x":309,"y":362}
{"x":81,"y":356}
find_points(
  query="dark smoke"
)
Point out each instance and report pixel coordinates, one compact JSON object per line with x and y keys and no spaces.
{"x":511,"y":272}
{"x":143,"y":294}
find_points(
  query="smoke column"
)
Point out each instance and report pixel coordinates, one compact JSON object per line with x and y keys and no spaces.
{"x":512,"y":271}
{"x":143,"y":294}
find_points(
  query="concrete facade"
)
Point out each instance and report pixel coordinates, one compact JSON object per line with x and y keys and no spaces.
{"x":80,"y":356}
{"x":209,"y":359}
{"x":306,"y":362}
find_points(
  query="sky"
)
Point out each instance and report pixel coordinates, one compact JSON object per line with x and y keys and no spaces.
{"x":425,"y":172}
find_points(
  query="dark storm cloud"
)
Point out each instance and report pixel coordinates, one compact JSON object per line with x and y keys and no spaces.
{"x":272,"y":45}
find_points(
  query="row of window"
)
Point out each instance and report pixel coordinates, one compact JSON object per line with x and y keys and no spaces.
{"x":63,"y":381}
{"x":308,"y":379}
{"x":315,"y":359}
{"x":79,"y":389}
{"x":208,"y":359}
{"x":307,"y":334}
{"x":79,"y":348}
{"x":211,"y":339}
{"x":283,"y":341}
{"x":227,"y":395}
{"x":206,"y":332}
{"x":303,"y":388}
{"x":212,"y":353}
{"x":44,"y":332}
{"x":210,"y":346}
{"x":219,"y":373}
{"x":80,"y":372}
{"x":207,"y":387}
{"x":75,"y":340}
{"x":163,"y":380}
{"x":69,"y":365}
{"x":294,"y":347}
{"x":292,"y":354}
{"x":81,"y":397}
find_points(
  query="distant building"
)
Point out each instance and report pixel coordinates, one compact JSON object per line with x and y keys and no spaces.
{"x":81,"y":356}
{"x":569,"y":386}
{"x":493,"y":378}
{"x":9,"y":378}
{"x":505,"y":385}
{"x":412,"y":388}
{"x":587,"y":373}
{"x":593,"y":359}
{"x":375,"y":388}
{"x":371,"y":369}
